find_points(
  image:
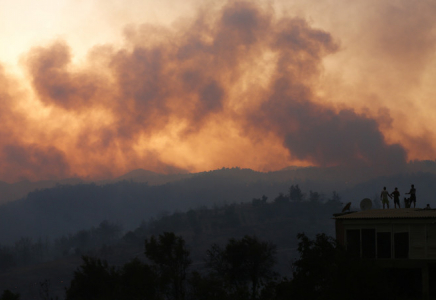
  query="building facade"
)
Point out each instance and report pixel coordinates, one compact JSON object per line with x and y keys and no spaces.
{"x":403,"y":240}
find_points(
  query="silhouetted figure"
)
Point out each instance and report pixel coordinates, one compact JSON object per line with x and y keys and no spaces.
{"x":406,"y":202}
{"x":347,"y":207}
{"x":396,"y":195}
{"x":428,"y":206}
{"x":384,"y":196}
{"x":412,"y":194}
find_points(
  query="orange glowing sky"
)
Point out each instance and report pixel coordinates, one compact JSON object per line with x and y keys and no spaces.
{"x":97,"y":88}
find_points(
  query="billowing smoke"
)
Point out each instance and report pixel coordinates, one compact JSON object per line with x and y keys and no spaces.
{"x":236,"y":86}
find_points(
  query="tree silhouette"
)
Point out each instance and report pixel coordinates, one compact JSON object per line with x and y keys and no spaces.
{"x":8,"y":295}
{"x":44,"y":290}
{"x":7,"y":258}
{"x":170,"y":256}
{"x":94,"y":280}
{"x":259,"y":201}
{"x":107,"y":231}
{"x":295,"y":193}
{"x":208,"y":287}
{"x":138,"y":281}
{"x":244,"y":264}
{"x":315,"y":196}
{"x":326,"y":271}
{"x":23,"y":249}
{"x":281,"y":198}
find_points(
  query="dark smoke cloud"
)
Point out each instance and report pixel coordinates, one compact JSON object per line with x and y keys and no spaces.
{"x":34,"y":161}
{"x":241,"y":66}
{"x":344,"y":138}
{"x":312,"y":132}
{"x":54,"y":83}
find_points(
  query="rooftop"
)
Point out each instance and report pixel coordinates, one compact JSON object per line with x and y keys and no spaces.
{"x":399,"y":213}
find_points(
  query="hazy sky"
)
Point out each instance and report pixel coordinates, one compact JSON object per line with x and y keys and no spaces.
{"x":96,"y":88}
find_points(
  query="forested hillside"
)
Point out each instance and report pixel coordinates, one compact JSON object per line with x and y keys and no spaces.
{"x":66,"y":209}
{"x":277,"y":220}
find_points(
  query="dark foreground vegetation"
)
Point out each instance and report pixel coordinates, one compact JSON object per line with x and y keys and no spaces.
{"x":70,"y":208}
{"x":28,"y":262}
{"x":232,"y":251}
{"x":279,"y":220}
{"x":243,"y":269}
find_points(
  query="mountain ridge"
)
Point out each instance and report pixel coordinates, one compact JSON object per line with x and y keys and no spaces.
{"x":341,"y":177}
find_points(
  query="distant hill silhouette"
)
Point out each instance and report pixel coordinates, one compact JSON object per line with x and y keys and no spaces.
{"x":150,"y":177}
{"x":54,"y":209}
{"x":338,"y":178}
{"x":68,"y":208}
{"x":14,"y":191}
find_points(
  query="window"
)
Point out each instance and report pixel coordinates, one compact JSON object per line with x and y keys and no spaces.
{"x":353,"y":241}
{"x":368,"y":243}
{"x":383,"y":245}
{"x":401,"y":245}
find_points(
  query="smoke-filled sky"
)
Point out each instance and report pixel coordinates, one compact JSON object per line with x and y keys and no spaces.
{"x":98,"y":88}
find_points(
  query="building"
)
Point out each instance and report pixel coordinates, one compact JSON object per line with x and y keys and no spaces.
{"x":403,"y":240}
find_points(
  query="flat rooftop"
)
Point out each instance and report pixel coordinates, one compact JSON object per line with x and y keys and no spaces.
{"x":398,"y":213}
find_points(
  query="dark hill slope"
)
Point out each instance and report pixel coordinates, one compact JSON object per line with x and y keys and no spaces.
{"x":277,"y":222}
{"x":67,"y":208}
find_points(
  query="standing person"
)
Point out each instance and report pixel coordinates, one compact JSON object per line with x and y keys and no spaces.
{"x":384,"y":196}
{"x":396,"y":195}
{"x":412,"y":194}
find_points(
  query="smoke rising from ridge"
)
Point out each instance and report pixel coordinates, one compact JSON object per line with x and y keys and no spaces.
{"x":234,"y":86}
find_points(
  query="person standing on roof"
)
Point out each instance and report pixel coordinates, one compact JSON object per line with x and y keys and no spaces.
{"x":396,"y":195}
{"x":412,"y":194}
{"x":384,"y":196}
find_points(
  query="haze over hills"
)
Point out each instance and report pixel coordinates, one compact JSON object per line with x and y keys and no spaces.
{"x":277,"y":222}
{"x":74,"y":207}
{"x":17,"y":190}
{"x":336,"y":178}
{"x":57,"y":208}
{"x":14,"y":191}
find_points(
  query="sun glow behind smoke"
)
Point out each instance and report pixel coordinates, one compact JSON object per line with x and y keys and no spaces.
{"x":243,"y":84}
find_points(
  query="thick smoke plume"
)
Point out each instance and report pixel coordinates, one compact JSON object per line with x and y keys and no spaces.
{"x":236,"y":86}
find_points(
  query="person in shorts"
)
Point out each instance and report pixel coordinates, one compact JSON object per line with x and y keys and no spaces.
{"x":396,"y":195}
{"x":384,"y":197}
{"x":412,"y":194}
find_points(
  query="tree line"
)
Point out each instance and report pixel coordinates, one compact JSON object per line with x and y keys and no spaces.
{"x":68,"y":208}
{"x":242,"y":269}
{"x":283,"y":216}
{"x":27,"y":251}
